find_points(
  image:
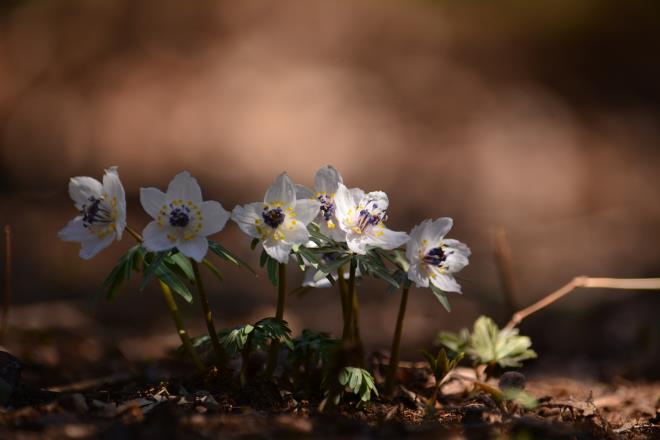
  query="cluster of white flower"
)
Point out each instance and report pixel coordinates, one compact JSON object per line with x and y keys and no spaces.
{"x":182,"y":220}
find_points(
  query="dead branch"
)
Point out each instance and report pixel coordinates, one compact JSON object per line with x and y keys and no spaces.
{"x":584,"y":282}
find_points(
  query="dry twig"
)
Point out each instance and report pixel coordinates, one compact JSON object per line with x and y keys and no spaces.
{"x":585,"y":282}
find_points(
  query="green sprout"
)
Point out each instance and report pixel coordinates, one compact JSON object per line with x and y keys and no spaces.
{"x":488,"y":345}
{"x":441,"y":365}
{"x":357,"y":381}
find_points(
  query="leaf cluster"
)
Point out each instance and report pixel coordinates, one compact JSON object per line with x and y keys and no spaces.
{"x":170,"y":267}
{"x":357,"y":381}
{"x":312,"y":349}
{"x":441,"y":365}
{"x":488,"y":345}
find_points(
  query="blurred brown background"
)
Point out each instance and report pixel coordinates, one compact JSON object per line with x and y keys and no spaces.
{"x":536,"y":118}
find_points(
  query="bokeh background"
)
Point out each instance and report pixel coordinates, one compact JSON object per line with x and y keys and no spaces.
{"x":537,"y":120}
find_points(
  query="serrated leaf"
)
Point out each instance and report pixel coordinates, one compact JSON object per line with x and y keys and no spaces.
{"x":168,"y":277}
{"x":183,"y":263}
{"x":442,"y":297}
{"x":272,"y":266}
{"x":229,"y":256}
{"x":263,"y":258}
{"x":152,"y":268}
{"x":122,"y":271}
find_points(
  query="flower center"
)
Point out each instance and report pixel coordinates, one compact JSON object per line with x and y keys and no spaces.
{"x":273,"y":217}
{"x":95,"y":212}
{"x":327,"y":206}
{"x":435,"y":257}
{"x":180,"y":216}
{"x":371,"y":215}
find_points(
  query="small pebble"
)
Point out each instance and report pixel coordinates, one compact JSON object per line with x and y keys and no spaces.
{"x":512,"y":380}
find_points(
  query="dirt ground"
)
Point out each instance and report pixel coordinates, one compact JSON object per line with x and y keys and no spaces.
{"x":71,"y":388}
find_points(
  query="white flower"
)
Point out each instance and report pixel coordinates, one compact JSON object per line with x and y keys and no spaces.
{"x":181,"y":218}
{"x":280,"y":221}
{"x":433,"y":258}
{"x":326,"y":183}
{"x":102,"y":209}
{"x":362,"y":217}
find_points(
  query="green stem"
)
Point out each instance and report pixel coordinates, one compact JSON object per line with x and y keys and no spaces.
{"x":181,"y":329}
{"x":341,"y":282}
{"x":6,"y":300}
{"x":396,"y":344}
{"x":174,"y":312}
{"x":279,"y":314}
{"x":208,"y":314}
{"x":348,"y":322}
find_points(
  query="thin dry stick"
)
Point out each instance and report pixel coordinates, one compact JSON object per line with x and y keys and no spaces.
{"x":586,"y":282}
{"x":6,"y":300}
{"x":504,"y":262}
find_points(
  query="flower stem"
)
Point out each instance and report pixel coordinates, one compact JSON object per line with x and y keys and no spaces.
{"x":6,"y":300}
{"x":176,"y":316}
{"x":208,"y":314}
{"x":341,"y":282}
{"x":279,"y":314}
{"x":396,"y":344}
{"x":181,"y":329}
{"x":348,"y":334}
{"x":134,"y":234}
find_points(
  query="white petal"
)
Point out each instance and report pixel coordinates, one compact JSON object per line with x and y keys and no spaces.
{"x":455,"y":260}
{"x":82,"y":188}
{"x":214,"y":217}
{"x":306,"y":210}
{"x":152,"y":200}
{"x":387,"y":239}
{"x":156,"y":237}
{"x":245,"y":217}
{"x":343,"y":206}
{"x":414,"y":245}
{"x":356,"y":194}
{"x":356,"y":242}
{"x":184,"y":187}
{"x":458,"y":246}
{"x":113,"y":188}
{"x":302,"y":192}
{"x":445,"y":282}
{"x":294,"y":233}
{"x":416,"y":275}
{"x":196,"y":248}
{"x":327,"y":180}
{"x":74,"y":231}
{"x":94,"y":245}
{"x":336,"y":233}
{"x":283,"y":190}
{"x":377,"y":200}
{"x":278,"y":250}
{"x":436,"y":230}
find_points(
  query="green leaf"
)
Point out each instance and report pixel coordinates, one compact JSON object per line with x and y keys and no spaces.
{"x":359,"y":382}
{"x":214,"y":270}
{"x":229,"y":256}
{"x":488,"y":345}
{"x":152,"y":268}
{"x":183,"y":263}
{"x":166,"y":275}
{"x":272,"y":265}
{"x":254,"y":243}
{"x":234,"y":340}
{"x":442,"y":297}
{"x":122,"y":271}
{"x":263,"y":258}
